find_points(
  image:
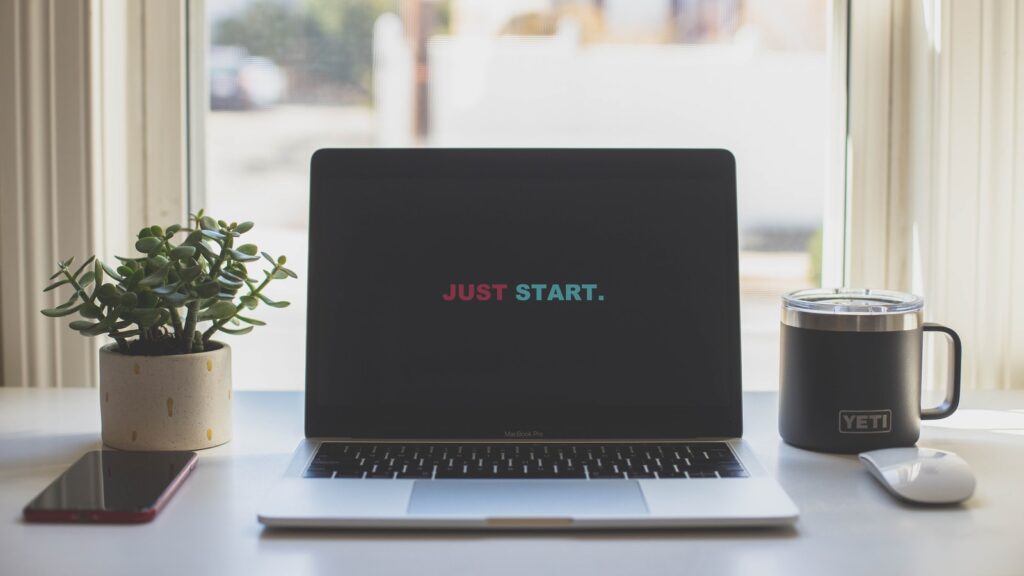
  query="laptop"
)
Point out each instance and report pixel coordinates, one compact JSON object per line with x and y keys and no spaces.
{"x":523,"y":339}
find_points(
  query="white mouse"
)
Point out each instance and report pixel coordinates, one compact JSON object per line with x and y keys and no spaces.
{"x":921,"y":475}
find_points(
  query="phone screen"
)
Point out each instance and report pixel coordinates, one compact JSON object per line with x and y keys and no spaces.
{"x":112,"y":486}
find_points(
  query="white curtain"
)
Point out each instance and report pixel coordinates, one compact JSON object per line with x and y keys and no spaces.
{"x":45,"y":191}
{"x":967,"y":143}
{"x":937,"y":170}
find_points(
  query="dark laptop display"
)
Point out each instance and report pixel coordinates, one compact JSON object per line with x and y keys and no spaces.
{"x":523,"y":294}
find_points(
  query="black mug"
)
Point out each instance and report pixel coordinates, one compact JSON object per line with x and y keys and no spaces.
{"x":851,"y":370}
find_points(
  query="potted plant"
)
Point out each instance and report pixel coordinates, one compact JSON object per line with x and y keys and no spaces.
{"x":165,"y":383}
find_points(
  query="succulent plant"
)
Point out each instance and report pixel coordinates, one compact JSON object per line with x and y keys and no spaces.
{"x":175,"y":297}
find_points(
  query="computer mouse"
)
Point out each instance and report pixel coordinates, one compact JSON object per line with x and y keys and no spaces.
{"x":921,"y":475}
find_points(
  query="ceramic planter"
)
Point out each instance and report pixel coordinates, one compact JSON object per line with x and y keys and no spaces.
{"x":179,"y":402}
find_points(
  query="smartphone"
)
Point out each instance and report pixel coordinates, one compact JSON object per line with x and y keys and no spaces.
{"x":112,"y":486}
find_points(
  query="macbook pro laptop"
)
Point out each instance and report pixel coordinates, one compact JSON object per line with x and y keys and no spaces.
{"x":523,"y":339}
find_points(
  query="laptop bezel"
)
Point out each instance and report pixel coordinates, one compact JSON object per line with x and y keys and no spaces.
{"x":331,"y":171}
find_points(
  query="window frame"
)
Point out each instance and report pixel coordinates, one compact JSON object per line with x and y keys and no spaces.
{"x":170,"y":174}
{"x":140,"y":117}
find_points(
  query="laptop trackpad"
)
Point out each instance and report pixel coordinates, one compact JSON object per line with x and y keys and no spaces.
{"x":527,"y":498}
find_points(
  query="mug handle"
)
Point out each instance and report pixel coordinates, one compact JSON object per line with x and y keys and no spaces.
{"x":952,"y":399}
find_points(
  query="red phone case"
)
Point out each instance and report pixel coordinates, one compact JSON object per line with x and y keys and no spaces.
{"x":113,"y":516}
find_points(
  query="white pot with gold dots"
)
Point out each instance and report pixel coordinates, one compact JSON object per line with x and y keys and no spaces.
{"x":177,"y":402}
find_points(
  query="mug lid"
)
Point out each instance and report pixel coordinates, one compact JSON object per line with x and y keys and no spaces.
{"x":852,"y":301}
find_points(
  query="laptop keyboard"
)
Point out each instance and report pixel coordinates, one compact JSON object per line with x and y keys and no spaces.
{"x":524,"y":461}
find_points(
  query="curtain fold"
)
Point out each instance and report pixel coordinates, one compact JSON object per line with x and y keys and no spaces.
{"x":963,"y":153}
{"x":45,"y":192}
{"x":935,"y":171}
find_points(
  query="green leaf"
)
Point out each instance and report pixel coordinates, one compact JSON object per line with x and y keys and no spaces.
{"x":289,"y":272}
{"x":148,"y":245}
{"x":277,"y":275}
{"x":242,"y":256}
{"x":244,"y":227}
{"x":156,"y":278}
{"x":71,"y":300}
{"x":182,"y":252}
{"x":101,"y":327}
{"x":176,"y":299}
{"x":229,"y":283}
{"x":129,"y":300}
{"x":158,"y":261}
{"x":207,"y":223}
{"x":136,"y":277}
{"x":269,"y":258}
{"x":218,"y":311}
{"x":58,"y":311}
{"x":238,"y":269}
{"x":65,"y":263}
{"x":56,"y":274}
{"x":248,"y":249}
{"x":97,"y":272}
{"x":108,"y":295}
{"x":194,"y":237}
{"x":148,"y":300}
{"x":213,"y":234}
{"x":232,"y":277}
{"x":128,"y":260}
{"x":56,"y":285}
{"x":81,"y":324}
{"x":156,"y":230}
{"x":273,"y":304}
{"x":113,"y":274}
{"x":205,"y":252}
{"x":145,"y":317}
{"x":87,"y":279}
{"x":207,"y":289}
{"x":82,"y":267}
{"x":90,"y":310}
{"x":172,"y":230}
{"x":249,"y":302}
{"x":165,"y":290}
{"x":145,"y":233}
{"x":191,"y":273}
{"x":252,"y":321}
{"x":238,"y":332}
{"x":226,"y":296}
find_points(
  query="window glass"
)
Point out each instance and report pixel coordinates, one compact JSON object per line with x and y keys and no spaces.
{"x":287,"y":77}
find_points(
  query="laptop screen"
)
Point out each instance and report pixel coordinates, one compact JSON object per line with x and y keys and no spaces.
{"x":530,"y":299}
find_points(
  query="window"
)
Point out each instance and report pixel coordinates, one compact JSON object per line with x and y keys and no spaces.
{"x":289,"y":76}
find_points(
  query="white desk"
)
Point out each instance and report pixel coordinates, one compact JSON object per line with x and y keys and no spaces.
{"x":848,"y":524}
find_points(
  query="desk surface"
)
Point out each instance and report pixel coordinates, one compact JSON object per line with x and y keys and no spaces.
{"x":848,"y":524}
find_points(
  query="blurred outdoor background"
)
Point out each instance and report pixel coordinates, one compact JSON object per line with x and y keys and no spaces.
{"x":287,"y":77}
